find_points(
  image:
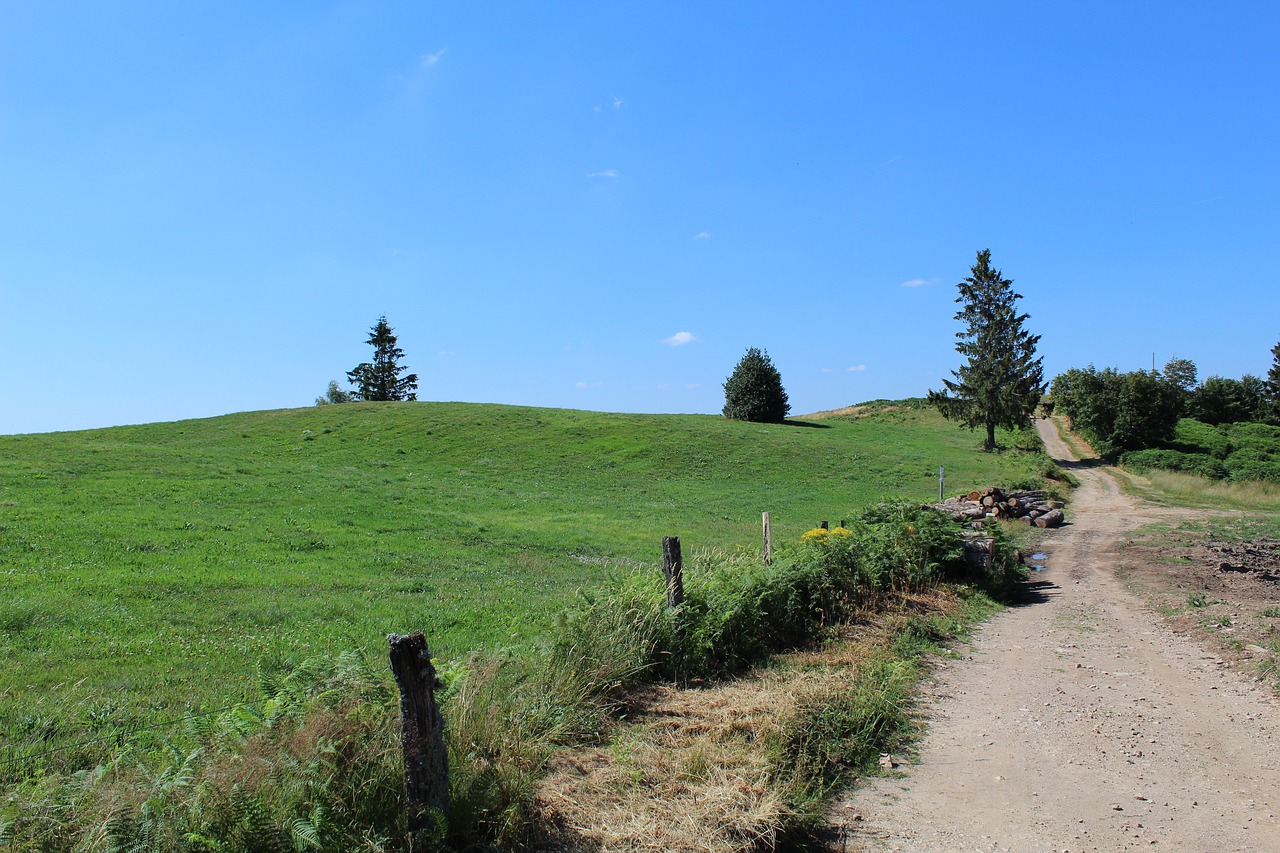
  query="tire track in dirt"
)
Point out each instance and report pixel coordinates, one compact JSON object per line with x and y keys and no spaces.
{"x":1080,"y":722}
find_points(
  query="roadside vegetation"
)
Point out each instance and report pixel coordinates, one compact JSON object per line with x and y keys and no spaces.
{"x":1218,"y":429}
{"x":194,"y":613}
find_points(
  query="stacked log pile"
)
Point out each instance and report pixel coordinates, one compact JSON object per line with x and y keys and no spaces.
{"x":1031,"y":507}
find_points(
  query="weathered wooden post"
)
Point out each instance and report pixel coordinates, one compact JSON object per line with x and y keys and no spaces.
{"x":822,"y":524}
{"x":673,"y":570}
{"x":426,"y":764}
{"x":768,"y":540}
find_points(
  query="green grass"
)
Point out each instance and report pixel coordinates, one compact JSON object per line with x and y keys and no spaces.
{"x":145,"y":570}
{"x":1190,"y":490}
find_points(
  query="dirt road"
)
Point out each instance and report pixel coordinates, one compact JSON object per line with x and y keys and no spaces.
{"x":1079,"y":721}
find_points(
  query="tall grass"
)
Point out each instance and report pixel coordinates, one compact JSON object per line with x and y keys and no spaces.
{"x":1190,"y":490}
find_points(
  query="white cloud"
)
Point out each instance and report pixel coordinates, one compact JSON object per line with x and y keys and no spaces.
{"x":662,"y":386}
{"x":617,"y":102}
{"x":857,"y":368}
{"x":827,"y":370}
{"x":432,"y":58}
{"x":692,"y":386}
{"x":702,"y":235}
{"x":679,"y":339}
{"x":580,"y":385}
{"x":607,"y":173}
{"x":920,"y":282}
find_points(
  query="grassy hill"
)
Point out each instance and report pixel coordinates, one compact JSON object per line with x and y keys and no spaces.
{"x":148,"y":568}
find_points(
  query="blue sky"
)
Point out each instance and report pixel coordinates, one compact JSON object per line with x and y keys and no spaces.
{"x":205,"y":206}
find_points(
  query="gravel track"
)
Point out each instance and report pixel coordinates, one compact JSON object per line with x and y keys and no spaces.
{"x":1080,"y":722}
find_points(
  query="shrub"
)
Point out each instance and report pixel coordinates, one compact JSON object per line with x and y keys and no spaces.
{"x":1255,"y":435}
{"x":1244,"y":470}
{"x":1173,"y":460}
{"x":737,"y":610}
{"x":1192,"y":436}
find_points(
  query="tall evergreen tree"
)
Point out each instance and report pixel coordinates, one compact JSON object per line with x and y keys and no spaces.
{"x":754,"y":392}
{"x":1002,"y":380}
{"x":381,"y":379}
{"x":1273,"y":385}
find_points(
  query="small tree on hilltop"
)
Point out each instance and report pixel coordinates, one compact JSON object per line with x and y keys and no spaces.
{"x":754,"y":392}
{"x":381,"y":379}
{"x":334,"y":394}
{"x":1002,"y":381}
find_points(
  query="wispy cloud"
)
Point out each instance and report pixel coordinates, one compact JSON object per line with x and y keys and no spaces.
{"x":679,"y":339}
{"x":827,"y":370}
{"x":921,"y":282}
{"x":615,"y":103}
{"x":430,"y":59}
{"x":702,"y":235}
{"x":581,"y":385}
{"x":607,"y":173}
{"x":857,"y":368}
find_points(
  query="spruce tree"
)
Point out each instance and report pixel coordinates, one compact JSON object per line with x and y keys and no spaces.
{"x":381,"y":379}
{"x":1002,"y":380}
{"x":754,"y":392}
{"x":1273,"y":385}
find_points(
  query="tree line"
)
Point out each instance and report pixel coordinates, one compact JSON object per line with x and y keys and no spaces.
{"x":1140,"y":409}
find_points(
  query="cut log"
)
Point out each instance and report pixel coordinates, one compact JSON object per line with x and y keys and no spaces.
{"x":1053,"y":518}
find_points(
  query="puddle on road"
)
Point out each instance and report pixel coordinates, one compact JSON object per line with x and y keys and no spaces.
{"x":1039,"y":562}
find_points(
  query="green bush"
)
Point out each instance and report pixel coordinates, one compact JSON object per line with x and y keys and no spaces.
{"x":1245,"y":470}
{"x":1255,"y":436}
{"x":1173,"y":460}
{"x":1192,"y":436}
{"x":737,"y":610}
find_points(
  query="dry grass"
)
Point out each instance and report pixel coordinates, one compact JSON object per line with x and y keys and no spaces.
{"x":859,"y":411}
{"x":1190,"y":490}
{"x":694,"y":768}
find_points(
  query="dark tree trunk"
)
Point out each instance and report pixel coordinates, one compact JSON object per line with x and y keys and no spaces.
{"x":426,"y":769}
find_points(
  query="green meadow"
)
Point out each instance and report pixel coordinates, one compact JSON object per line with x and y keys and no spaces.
{"x":146,"y":570}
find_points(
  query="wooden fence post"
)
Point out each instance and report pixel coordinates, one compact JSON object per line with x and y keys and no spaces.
{"x":426,"y":764}
{"x":822,"y":524}
{"x":768,"y":540}
{"x":673,"y":570}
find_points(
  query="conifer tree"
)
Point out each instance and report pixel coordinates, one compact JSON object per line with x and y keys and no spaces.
{"x":1273,"y":385}
{"x":1002,"y":380}
{"x":754,"y":392}
{"x":381,"y":379}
